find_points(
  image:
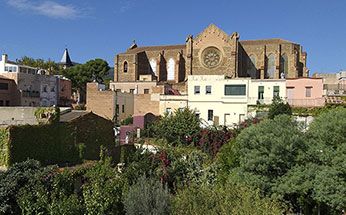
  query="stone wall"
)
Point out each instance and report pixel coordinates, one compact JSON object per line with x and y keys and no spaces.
{"x":146,"y":103}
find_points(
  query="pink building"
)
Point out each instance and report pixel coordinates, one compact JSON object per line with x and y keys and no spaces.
{"x":305,"y":92}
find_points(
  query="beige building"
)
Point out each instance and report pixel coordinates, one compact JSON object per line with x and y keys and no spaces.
{"x":36,"y":88}
{"x":109,"y":104}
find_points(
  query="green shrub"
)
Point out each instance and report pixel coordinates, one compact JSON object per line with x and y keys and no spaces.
{"x":279,"y":107}
{"x":103,"y":190}
{"x":12,"y":181}
{"x":127,"y":121}
{"x":177,"y":127}
{"x":147,"y":196}
{"x":223,"y":199}
{"x":4,"y":147}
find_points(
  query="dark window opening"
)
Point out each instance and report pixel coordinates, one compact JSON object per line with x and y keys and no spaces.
{"x":235,"y":90}
{"x":210,"y":115}
{"x":125,"y":67}
{"x":3,"y":86}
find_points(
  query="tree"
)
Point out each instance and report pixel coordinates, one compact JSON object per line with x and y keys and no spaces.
{"x":265,"y":152}
{"x":147,"y":196}
{"x":279,"y":107}
{"x":178,"y":127}
{"x":50,"y":66}
{"x":81,"y":74}
{"x":319,"y":180}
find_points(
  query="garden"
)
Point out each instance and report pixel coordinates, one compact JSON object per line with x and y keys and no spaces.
{"x":263,"y":166}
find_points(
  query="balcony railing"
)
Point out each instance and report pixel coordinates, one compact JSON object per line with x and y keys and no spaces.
{"x":317,"y":102}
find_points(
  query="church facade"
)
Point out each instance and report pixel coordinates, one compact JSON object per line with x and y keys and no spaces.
{"x":212,"y":52}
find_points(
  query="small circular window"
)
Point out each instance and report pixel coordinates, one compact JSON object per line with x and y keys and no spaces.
{"x":211,"y":57}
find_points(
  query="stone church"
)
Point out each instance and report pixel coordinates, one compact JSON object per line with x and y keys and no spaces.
{"x":212,"y":52}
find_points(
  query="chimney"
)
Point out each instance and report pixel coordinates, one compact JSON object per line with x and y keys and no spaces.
{"x":4,"y":58}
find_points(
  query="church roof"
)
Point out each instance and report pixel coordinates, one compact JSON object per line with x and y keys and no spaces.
{"x":66,"y":60}
{"x":153,"y":48}
{"x":265,"y":41}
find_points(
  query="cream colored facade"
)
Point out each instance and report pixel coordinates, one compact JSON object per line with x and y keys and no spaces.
{"x":222,"y":101}
{"x":216,"y":107}
{"x":171,"y":103}
{"x":270,"y":88}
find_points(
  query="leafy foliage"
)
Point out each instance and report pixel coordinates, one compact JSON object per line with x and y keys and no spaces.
{"x":264,"y":152}
{"x":127,"y":121}
{"x":223,"y":199}
{"x":210,"y":140}
{"x":4,"y":147}
{"x":49,"y":65}
{"x":12,"y":181}
{"x":82,"y":73}
{"x":319,"y":179}
{"x":178,"y":127}
{"x":279,"y":107}
{"x":147,"y":196}
{"x":103,"y":190}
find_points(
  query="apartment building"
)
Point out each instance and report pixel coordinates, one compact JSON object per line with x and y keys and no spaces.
{"x":35,"y":88}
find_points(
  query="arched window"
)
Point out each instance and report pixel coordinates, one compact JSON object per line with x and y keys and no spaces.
{"x":283,"y":66}
{"x":251,"y":66}
{"x":125,"y":66}
{"x":153,"y":65}
{"x":170,"y":69}
{"x":270,"y":66}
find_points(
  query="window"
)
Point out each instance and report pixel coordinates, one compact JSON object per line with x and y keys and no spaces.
{"x":44,"y":89}
{"x":146,"y":91}
{"x":276,"y":91}
{"x":118,"y":90}
{"x":308,"y":91}
{"x":7,"y":103}
{"x":3,"y":86}
{"x":132,"y":91}
{"x":208,"y":89}
{"x":6,"y":68}
{"x":125,"y":67}
{"x":181,"y":109}
{"x":260,"y":92}
{"x":197,"y":115}
{"x":210,"y":115}
{"x":283,"y":66}
{"x":1,"y":103}
{"x":251,"y":66}
{"x":170,"y":69}
{"x":235,"y":90}
{"x":270,"y":66}
{"x":153,"y":65}
{"x":197,"y":89}
{"x":123,"y":108}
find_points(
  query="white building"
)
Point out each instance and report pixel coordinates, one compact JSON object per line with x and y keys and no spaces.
{"x":218,"y":100}
{"x":36,"y":88}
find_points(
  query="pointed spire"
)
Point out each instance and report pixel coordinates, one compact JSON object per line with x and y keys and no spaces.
{"x":66,"y":60}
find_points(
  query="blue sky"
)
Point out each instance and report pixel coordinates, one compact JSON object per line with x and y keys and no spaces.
{"x":101,"y":28}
